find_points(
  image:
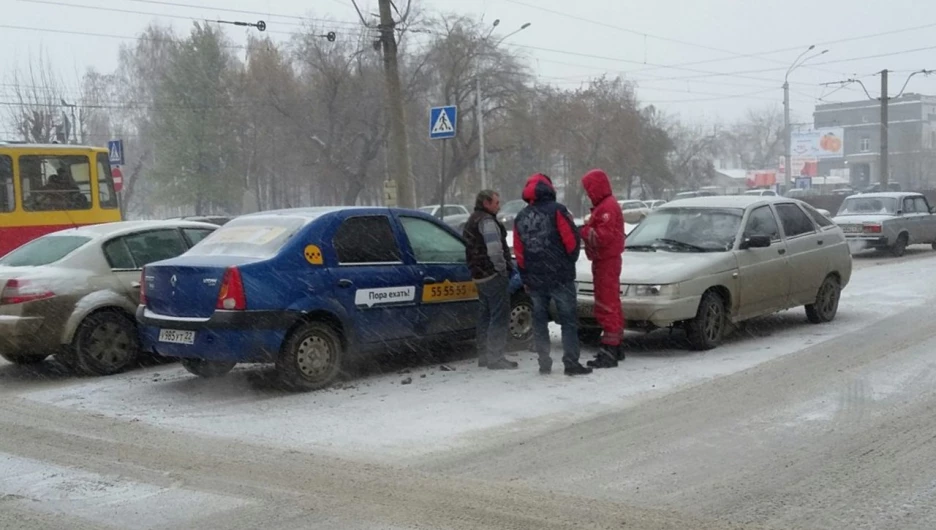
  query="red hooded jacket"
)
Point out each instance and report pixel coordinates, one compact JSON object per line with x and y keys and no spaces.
{"x":603,"y":234}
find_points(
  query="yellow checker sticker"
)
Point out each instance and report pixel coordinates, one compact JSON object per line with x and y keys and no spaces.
{"x":313,"y":255}
{"x":449,"y":292}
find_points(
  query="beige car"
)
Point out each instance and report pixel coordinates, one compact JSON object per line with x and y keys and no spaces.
{"x":634,"y":211}
{"x":74,"y":293}
{"x":702,"y":263}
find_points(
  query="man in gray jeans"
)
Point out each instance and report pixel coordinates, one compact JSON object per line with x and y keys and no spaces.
{"x":489,"y":259}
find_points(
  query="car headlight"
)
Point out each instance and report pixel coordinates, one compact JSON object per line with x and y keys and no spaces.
{"x":669,"y":290}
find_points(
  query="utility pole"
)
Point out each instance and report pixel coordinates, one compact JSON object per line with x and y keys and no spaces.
{"x":480,"y":119}
{"x":398,"y":142}
{"x":884,"y":128}
{"x":787,"y":158}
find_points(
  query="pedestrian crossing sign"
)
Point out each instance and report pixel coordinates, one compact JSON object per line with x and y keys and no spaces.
{"x":442,"y":122}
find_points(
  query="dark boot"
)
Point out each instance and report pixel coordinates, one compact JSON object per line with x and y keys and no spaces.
{"x":502,"y":364}
{"x":545,"y":369}
{"x":603,"y":360}
{"x":482,"y":361}
{"x":577,"y":369}
{"x":620,"y":352}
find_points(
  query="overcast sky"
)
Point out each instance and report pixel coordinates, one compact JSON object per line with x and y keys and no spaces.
{"x":752,"y":41}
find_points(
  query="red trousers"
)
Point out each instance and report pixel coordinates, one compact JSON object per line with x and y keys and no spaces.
{"x":607,"y":277}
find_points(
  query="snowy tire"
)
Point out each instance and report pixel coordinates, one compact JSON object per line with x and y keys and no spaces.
{"x":207,"y":369}
{"x":105,"y":343}
{"x":707,"y":329}
{"x":311,"y":357}
{"x":826,"y":305}
{"x":520,"y":325}
{"x":900,"y":246}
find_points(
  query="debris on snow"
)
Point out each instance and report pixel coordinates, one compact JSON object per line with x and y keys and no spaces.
{"x":446,"y":368}
{"x":406,"y":381}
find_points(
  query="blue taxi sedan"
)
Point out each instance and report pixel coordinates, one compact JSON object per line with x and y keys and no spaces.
{"x":302,"y":288}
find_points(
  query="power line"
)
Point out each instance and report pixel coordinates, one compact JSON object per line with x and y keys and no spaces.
{"x":242,"y":11}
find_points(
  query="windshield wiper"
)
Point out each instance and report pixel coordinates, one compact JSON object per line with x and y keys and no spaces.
{"x":641,"y":248}
{"x":683,"y":244}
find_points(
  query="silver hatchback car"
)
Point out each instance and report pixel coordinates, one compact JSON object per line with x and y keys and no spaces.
{"x":74,"y":293}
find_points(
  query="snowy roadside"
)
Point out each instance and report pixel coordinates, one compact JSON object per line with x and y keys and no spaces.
{"x":384,"y":419}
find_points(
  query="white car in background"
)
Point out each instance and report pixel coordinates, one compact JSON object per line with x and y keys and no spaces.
{"x":454,"y":215}
{"x":653,"y":204}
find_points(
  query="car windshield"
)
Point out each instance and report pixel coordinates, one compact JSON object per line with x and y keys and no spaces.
{"x":43,"y":251}
{"x":427,"y":209}
{"x":687,"y":230}
{"x":260,"y":237}
{"x":868,"y":205}
{"x":512,"y":208}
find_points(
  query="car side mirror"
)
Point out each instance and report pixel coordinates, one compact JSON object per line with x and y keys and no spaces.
{"x":899,"y":212}
{"x":755,"y":242}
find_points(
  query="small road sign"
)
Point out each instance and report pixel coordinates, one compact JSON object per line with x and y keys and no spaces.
{"x":442,"y":122}
{"x":117,"y":176}
{"x":115,"y":152}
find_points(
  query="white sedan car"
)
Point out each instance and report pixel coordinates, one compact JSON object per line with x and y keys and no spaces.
{"x":702,"y":263}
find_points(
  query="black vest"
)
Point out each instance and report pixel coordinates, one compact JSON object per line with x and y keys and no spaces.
{"x":476,"y":250}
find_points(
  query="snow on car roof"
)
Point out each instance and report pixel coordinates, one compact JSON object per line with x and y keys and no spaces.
{"x":723,"y":201}
{"x":887,"y":194}
{"x":121,"y":227}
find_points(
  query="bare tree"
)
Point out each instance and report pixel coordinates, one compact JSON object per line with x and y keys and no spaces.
{"x":37,"y":113}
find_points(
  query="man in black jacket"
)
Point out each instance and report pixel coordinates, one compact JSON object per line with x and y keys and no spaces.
{"x":547,"y":246}
{"x":489,"y":260}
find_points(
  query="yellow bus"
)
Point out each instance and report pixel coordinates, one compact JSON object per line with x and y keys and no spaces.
{"x":45,"y":188}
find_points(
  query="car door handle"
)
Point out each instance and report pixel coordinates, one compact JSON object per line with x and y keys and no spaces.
{"x":781,"y":251}
{"x":135,"y":285}
{"x":820,"y":241}
{"x":429,"y":279}
{"x":345,"y":283}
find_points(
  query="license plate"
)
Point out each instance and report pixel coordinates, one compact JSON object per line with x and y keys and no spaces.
{"x":449,"y":292}
{"x":852,"y":229}
{"x":177,"y":336}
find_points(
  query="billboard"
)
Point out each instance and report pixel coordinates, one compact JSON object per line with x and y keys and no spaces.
{"x":828,"y":142}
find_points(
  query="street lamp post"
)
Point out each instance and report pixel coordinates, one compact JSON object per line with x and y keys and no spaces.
{"x":787,"y":158}
{"x":482,"y":156}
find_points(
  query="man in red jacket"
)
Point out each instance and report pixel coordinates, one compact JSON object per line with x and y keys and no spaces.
{"x":603,"y":236}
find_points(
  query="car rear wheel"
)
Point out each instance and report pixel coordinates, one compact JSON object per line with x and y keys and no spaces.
{"x":23,"y":359}
{"x":311,"y":357}
{"x":207,"y":369}
{"x":106,"y":343}
{"x":826,"y":305}
{"x":521,"y":319}
{"x":707,"y":329}
{"x":900,"y":246}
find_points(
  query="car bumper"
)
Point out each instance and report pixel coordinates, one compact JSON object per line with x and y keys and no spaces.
{"x":32,"y":328}
{"x":867,"y":240}
{"x":644,"y":312}
{"x":235,"y":336}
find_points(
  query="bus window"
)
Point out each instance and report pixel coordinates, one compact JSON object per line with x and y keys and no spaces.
{"x":51,"y":183}
{"x":106,"y":193}
{"x":6,"y":184}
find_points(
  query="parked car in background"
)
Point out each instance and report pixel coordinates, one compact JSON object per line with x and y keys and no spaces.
{"x":74,"y":293}
{"x":654,"y":203}
{"x":219,"y":220}
{"x":700,"y":264}
{"x":306,"y":288}
{"x":509,"y":211}
{"x":454,"y":215}
{"x":634,"y":211}
{"x":693,"y":194}
{"x":890,"y":220}
{"x":761,"y":193}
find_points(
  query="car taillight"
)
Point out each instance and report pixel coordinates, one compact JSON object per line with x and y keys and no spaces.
{"x":872,"y":229}
{"x":232,"y":297}
{"x":22,"y":291}
{"x":143,"y":287}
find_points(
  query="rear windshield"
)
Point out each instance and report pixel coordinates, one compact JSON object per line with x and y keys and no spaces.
{"x":43,"y":251}
{"x":249,"y":237}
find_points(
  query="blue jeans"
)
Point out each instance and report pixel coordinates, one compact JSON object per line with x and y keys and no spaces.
{"x":563,"y":294}
{"x":493,"y":318}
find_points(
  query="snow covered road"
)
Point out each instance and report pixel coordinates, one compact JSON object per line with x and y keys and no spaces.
{"x":672,"y":438}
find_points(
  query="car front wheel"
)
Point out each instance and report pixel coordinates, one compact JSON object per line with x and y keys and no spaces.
{"x":707,"y":329}
{"x":826,"y":305}
{"x":311,"y":357}
{"x":521,"y":319}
